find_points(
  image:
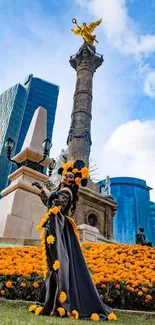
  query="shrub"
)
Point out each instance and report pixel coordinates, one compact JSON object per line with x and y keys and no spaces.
{"x":123,"y":274}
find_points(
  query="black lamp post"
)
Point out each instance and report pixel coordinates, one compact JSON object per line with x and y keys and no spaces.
{"x":51,"y":166}
{"x":9,"y":145}
{"x":46,"y":146}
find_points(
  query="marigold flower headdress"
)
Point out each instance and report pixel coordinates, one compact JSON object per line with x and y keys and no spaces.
{"x":78,"y":168}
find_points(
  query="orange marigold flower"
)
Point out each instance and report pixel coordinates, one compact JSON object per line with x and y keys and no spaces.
{"x":36,"y":285}
{"x":61,"y":311}
{"x":64,"y":172}
{"x":38,"y":310}
{"x":38,"y":227}
{"x":75,"y":170}
{"x":77,"y":181}
{"x":50,"y":239}
{"x":32,"y":307}
{"x":2,"y":292}
{"x":23,"y":285}
{"x":46,"y":215}
{"x":42,"y":235}
{"x":9,"y":284}
{"x":95,"y":317}
{"x":69,"y":164}
{"x":73,"y":315}
{"x":140,"y":293}
{"x":147,"y":282}
{"x":144,"y":289}
{"x":85,"y":172}
{"x":42,"y":222}
{"x":62,"y":297}
{"x":149,"y":297}
{"x":117,"y":286}
{"x":56,"y":265}
{"x":55,"y":210}
{"x":45,"y":274}
{"x":112,"y":316}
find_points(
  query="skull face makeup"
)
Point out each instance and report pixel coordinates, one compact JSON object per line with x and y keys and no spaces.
{"x":68,"y":179}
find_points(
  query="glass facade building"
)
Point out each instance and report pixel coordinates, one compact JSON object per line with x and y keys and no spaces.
{"x":135,"y":210}
{"x":17,"y":106}
{"x":152,"y":223}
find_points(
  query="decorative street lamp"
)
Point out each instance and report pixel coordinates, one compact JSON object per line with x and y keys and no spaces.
{"x":51,"y":166}
{"x":46,"y":146}
{"x":9,"y":145}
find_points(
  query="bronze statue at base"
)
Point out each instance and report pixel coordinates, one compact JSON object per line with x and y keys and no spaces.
{"x":141,"y":239}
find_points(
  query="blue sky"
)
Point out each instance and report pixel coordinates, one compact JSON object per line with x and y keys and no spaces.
{"x":36,"y":38}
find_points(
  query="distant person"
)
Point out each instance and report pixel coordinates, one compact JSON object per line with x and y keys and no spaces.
{"x":141,"y":239}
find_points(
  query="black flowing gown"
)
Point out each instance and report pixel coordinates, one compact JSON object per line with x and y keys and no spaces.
{"x":73,"y":276}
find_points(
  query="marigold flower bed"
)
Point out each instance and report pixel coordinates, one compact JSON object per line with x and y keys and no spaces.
{"x":124,"y":275}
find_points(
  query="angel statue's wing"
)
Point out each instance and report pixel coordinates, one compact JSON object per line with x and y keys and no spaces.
{"x":93,"y":25}
{"x":76,"y":30}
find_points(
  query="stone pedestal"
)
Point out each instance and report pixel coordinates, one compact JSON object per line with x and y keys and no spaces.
{"x":88,"y":233}
{"x":92,"y":234}
{"x":95,"y":210}
{"x":21,"y":208}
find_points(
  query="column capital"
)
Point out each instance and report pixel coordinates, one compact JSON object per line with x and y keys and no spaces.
{"x":87,"y":58}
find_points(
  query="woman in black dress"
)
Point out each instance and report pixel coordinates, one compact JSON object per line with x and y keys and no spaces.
{"x":69,"y":287}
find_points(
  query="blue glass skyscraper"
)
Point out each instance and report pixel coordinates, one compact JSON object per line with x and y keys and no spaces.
{"x":135,"y":210}
{"x":17,"y":106}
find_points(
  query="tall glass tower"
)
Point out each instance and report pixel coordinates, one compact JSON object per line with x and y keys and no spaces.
{"x":17,"y":106}
{"x":135,"y":210}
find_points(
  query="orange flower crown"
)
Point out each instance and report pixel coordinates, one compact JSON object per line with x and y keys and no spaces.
{"x":78,"y":168}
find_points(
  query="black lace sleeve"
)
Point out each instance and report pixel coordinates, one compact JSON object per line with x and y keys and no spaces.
{"x":61,"y":198}
{"x":44,"y":197}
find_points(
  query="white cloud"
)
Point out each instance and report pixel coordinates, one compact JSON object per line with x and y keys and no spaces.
{"x":149,"y":84}
{"x":130,"y":151}
{"x":119,"y":27}
{"x":45,"y":52}
{"x":123,"y":34}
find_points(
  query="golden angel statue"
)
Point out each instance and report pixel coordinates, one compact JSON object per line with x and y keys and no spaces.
{"x":86,"y":31}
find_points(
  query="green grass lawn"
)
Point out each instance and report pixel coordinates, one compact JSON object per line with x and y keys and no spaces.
{"x":16,"y":313}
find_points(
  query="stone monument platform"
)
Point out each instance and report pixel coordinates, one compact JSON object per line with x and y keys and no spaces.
{"x":97,"y":211}
{"x":20,"y":207}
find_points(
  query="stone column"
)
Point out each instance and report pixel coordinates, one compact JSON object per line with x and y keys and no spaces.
{"x":85,"y":62}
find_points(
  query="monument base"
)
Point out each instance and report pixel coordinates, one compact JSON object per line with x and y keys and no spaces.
{"x":18,"y":242}
{"x":97,"y":211}
{"x":21,"y":208}
{"x":87,"y":234}
{"x":91,"y":234}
